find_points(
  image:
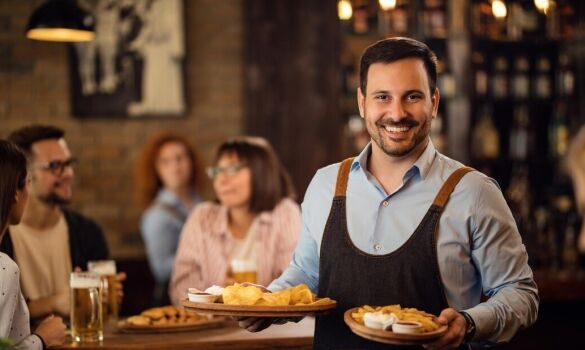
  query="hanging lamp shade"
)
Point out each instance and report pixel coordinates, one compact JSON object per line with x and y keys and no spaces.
{"x":60,"y":20}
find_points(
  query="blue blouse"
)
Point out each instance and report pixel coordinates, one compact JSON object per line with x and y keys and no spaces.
{"x":161,"y":226}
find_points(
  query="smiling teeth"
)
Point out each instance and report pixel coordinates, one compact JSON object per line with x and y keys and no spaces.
{"x":396,"y":128}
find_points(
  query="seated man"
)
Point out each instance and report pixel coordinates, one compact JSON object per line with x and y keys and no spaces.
{"x":50,"y":241}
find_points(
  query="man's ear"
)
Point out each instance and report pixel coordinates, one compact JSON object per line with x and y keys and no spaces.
{"x":435,"y":99}
{"x":361,"y":101}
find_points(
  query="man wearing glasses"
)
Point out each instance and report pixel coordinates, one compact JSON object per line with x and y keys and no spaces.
{"x":51,"y":240}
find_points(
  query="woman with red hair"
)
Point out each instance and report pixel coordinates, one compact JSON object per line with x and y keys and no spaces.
{"x":169,"y":180}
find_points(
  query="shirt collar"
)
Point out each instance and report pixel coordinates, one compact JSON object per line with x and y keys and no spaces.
{"x":421,"y":166}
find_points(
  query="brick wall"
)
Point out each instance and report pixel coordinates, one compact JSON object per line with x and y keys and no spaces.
{"x":34,"y":88}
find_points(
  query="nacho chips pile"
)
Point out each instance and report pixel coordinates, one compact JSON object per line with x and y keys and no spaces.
{"x":250,"y":295}
{"x":403,"y":314}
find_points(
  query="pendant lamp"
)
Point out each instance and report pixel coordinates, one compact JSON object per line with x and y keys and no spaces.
{"x":61,"y":20}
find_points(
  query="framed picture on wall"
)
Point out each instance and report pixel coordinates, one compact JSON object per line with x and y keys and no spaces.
{"x":134,"y":67}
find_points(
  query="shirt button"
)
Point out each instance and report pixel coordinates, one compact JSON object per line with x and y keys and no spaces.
{"x":377,"y":247}
{"x":385,"y":203}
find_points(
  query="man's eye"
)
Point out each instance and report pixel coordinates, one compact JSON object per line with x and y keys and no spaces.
{"x":381,"y":97}
{"x":413,"y":97}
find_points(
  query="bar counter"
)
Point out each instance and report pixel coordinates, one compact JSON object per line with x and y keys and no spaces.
{"x":287,"y":336}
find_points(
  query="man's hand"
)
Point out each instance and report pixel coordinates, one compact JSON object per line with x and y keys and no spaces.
{"x":455,"y":331}
{"x":254,"y":324}
{"x":52,"y":331}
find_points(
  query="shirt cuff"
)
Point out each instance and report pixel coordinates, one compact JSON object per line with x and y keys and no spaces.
{"x":484,"y":321}
{"x":43,"y":345}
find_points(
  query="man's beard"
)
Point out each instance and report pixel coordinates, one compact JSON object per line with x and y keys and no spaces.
{"x":419,"y":136}
{"x":53,"y":199}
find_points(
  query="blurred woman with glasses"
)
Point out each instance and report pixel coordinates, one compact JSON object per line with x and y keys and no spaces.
{"x":14,"y":315}
{"x":169,"y":179}
{"x":253,"y":225}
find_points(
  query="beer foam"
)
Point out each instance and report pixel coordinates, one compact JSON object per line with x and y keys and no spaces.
{"x":87,"y":280}
{"x":103,"y":268}
{"x":242,"y":265}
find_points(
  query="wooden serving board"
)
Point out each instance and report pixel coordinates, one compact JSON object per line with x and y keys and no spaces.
{"x":389,"y":337}
{"x":203,"y":323}
{"x":221,"y":309}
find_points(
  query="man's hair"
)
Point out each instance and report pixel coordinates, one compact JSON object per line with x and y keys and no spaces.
{"x":26,"y":136}
{"x":12,"y":178}
{"x":394,"y":49}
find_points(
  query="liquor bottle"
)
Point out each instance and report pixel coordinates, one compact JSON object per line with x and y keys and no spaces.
{"x":438,"y":134}
{"x":500,"y":77}
{"x":360,"y":19}
{"x":520,"y":80}
{"x":486,"y":139}
{"x":520,"y":137}
{"x":559,"y":132}
{"x":480,"y":76}
{"x":542,"y":85}
{"x":570,"y":256}
{"x":565,"y":76}
{"x":446,"y":80}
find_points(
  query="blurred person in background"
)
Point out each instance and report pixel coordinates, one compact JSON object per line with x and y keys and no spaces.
{"x":169,"y":179}
{"x":14,"y":315}
{"x":576,"y":166}
{"x":51,"y":240}
{"x":255,"y":219}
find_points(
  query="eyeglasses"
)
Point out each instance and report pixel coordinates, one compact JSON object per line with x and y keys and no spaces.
{"x":56,"y":167}
{"x":229,"y":170}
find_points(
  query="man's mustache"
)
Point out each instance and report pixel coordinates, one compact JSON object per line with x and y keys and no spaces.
{"x":409,"y":123}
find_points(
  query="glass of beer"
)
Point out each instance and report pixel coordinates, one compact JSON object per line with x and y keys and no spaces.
{"x":86,"y":307}
{"x":107,"y":270}
{"x":244,"y":270}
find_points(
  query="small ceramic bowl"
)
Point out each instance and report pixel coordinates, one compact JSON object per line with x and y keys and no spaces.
{"x":409,"y":327}
{"x":378,"y":320}
{"x":201,"y":297}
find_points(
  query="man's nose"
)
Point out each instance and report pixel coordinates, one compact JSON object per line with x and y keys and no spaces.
{"x":396,"y":110}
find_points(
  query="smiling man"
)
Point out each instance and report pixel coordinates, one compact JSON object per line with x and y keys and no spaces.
{"x":403,"y":224}
{"x":51,"y":240}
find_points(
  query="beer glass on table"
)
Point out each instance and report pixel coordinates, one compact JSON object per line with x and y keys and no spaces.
{"x":86,"y":307}
{"x":107,"y":270}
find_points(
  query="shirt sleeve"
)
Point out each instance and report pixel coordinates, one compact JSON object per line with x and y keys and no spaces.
{"x":502,"y":262}
{"x":304,"y":267}
{"x":157,"y":231}
{"x":288,"y":226}
{"x":187,"y":267}
{"x":31,"y":342}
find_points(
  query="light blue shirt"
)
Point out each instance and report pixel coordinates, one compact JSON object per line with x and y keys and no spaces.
{"x":478,"y":246}
{"x":161,"y":230}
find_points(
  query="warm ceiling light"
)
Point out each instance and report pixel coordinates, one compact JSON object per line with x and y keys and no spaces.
{"x":387,"y":5}
{"x":542,"y":5}
{"x":60,"y":20}
{"x":499,"y":9}
{"x":344,"y":10}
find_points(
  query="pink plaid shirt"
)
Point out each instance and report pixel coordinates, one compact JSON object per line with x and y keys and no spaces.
{"x":203,"y":254}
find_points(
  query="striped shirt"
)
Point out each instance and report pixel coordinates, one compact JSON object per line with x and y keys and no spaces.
{"x":206,"y":244}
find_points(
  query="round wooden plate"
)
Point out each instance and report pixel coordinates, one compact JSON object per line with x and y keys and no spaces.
{"x":389,"y":337}
{"x":221,"y":309}
{"x":203,"y":323}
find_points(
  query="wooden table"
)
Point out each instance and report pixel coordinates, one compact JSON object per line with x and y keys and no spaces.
{"x":287,"y":336}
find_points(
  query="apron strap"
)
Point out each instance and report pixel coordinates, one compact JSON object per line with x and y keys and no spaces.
{"x":445,"y":192}
{"x":342,"y":177}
